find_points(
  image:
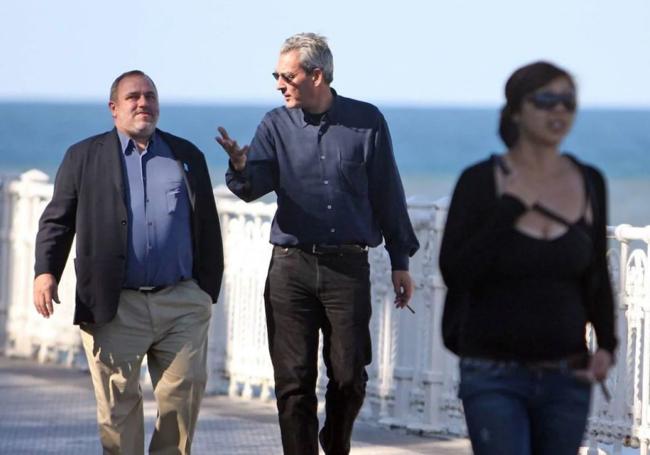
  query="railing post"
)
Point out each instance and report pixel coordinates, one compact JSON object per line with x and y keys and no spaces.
{"x":6,"y":218}
{"x":28,"y":334}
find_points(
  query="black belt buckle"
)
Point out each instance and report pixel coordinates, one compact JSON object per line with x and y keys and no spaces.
{"x":150,"y":289}
{"x":324,"y":249}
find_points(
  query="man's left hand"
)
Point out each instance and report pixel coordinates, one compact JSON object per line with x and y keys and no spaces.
{"x":403,"y":286}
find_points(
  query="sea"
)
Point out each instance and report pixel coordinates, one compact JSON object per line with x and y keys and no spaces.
{"x":431,"y":144}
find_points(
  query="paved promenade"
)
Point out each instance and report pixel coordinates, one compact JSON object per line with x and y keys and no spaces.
{"x":47,"y":409}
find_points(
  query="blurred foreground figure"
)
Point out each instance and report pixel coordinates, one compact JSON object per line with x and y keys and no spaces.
{"x":523,"y":256}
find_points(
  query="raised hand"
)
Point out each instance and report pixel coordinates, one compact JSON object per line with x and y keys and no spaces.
{"x":236,"y":154}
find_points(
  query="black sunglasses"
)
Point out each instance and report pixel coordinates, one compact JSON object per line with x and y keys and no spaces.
{"x":548,"y":100}
{"x":287,"y":77}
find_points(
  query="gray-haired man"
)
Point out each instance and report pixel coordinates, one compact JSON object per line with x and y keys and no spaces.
{"x":329,"y":159}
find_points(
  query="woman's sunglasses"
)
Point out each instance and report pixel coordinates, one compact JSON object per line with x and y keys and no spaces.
{"x":548,"y":100}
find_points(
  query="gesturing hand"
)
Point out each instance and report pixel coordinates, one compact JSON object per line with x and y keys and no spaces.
{"x":236,"y":154}
{"x":45,"y":290}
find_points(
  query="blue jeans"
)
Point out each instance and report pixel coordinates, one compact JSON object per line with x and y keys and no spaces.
{"x":512,"y":409}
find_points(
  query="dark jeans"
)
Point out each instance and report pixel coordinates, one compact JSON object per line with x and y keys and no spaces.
{"x":511,"y":409}
{"x":306,"y":293}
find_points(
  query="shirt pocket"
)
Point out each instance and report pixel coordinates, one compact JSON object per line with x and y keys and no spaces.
{"x":355,"y":178}
{"x":173,"y":194}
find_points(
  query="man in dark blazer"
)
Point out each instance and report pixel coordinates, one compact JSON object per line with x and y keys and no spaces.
{"x":149,"y":263}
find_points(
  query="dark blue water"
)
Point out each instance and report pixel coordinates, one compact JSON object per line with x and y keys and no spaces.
{"x":427,"y":141}
{"x":431,"y":145}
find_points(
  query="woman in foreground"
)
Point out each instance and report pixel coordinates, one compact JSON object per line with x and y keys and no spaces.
{"x":524,"y":259}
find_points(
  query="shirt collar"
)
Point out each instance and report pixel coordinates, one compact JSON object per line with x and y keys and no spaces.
{"x":329,"y":116}
{"x":127,"y":144}
{"x":332,"y":113}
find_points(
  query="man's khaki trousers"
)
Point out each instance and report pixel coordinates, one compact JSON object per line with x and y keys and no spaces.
{"x":170,"y":327}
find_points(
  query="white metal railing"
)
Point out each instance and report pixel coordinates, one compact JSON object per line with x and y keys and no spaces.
{"x":24,"y":331}
{"x":625,"y":421}
{"x":412,"y":379}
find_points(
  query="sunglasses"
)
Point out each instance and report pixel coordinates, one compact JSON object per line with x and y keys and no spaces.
{"x":287,"y":77}
{"x":548,"y":100}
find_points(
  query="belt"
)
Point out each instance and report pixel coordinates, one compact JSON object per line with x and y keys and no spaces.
{"x":323,"y":249}
{"x":572,"y":362}
{"x":578,"y":361}
{"x":149,"y":289}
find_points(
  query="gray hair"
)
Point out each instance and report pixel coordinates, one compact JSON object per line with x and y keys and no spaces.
{"x":118,"y":79}
{"x":314,"y":53}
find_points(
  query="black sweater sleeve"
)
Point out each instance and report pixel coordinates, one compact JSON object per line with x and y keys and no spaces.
{"x":476,"y":225}
{"x":599,"y":298}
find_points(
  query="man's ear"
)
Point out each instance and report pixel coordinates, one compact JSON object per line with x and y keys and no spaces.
{"x":317,"y":76}
{"x":111,"y":107}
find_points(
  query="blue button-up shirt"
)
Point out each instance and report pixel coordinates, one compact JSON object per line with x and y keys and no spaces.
{"x":159,"y":239}
{"x":336,"y":179}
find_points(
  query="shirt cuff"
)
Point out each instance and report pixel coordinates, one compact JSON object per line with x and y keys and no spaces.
{"x":41,"y":268}
{"x":399,"y":261}
{"x":235,"y":171}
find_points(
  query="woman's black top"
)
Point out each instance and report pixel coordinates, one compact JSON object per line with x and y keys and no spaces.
{"x":525,"y":298}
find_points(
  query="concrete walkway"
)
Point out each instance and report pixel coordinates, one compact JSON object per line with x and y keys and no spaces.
{"x":47,"y":409}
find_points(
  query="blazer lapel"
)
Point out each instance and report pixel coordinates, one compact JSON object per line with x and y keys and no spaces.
{"x":113,"y":151}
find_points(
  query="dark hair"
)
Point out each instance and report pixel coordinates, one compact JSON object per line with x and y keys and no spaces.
{"x":525,"y":81}
{"x":118,"y":79}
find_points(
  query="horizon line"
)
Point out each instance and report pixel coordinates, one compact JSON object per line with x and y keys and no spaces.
{"x":267,"y":103}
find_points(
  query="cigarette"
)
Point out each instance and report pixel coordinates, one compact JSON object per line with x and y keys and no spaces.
{"x":606,"y":394}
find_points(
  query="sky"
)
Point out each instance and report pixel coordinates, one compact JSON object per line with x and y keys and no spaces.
{"x":398,"y":52}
